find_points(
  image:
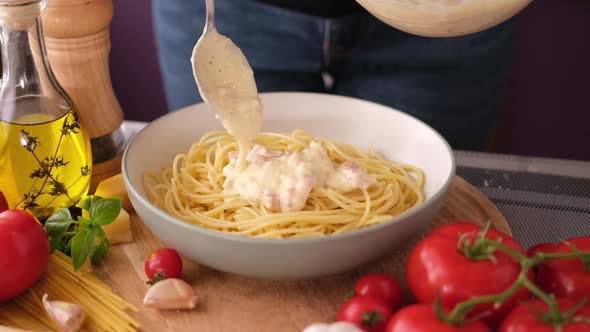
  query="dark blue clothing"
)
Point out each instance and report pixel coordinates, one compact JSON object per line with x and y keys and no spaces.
{"x":453,"y":84}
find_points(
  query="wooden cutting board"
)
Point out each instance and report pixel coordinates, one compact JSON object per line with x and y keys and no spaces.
{"x":235,"y":304}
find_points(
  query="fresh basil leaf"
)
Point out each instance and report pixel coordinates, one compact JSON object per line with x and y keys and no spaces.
{"x":56,"y":226}
{"x":101,"y":250}
{"x":105,"y":211}
{"x":83,"y":246}
{"x":87,"y":202}
{"x":103,"y":242}
{"x":83,"y":221}
{"x":97,"y":230}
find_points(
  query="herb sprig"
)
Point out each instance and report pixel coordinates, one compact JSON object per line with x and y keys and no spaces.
{"x":84,"y":238}
{"x":46,"y":175}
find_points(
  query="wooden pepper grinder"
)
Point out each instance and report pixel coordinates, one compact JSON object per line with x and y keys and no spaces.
{"x":78,"y":46}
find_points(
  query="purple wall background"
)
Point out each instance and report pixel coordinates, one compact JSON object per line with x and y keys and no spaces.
{"x":134,"y":63}
{"x":547,"y":105}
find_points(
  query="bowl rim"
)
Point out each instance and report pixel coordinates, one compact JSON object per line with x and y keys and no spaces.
{"x":289,"y":241}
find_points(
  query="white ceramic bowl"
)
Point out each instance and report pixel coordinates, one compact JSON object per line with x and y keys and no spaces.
{"x":394,"y":134}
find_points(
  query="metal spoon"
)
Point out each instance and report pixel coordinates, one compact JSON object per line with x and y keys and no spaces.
{"x":226,"y":81}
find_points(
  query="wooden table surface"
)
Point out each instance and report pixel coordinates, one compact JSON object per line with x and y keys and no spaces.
{"x":232,"y":303}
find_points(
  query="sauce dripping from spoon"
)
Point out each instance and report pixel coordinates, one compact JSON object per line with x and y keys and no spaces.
{"x":277,"y":181}
{"x":226,"y":83}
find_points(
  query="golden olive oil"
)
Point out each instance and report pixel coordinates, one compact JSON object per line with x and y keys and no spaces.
{"x":45,"y":160}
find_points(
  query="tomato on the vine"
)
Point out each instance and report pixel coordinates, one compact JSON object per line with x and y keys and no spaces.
{"x":24,"y":252}
{"x":423,"y":318}
{"x":564,"y":277}
{"x":368,"y":313}
{"x":162,"y":264}
{"x":527,"y":318}
{"x":448,"y":263}
{"x":382,"y":286}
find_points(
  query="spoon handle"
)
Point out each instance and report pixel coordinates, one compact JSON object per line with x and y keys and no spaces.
{"x":210,"y":20}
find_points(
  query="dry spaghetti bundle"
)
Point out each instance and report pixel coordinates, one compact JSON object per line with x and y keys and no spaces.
{"x":104,"y":310}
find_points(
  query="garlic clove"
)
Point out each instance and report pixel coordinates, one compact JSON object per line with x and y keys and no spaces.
{"x":317,"y":327}
{"x":344,"y":327}
{"x":68,"y":317}
{"x":333,"y":327}
{"x":170,"y":294}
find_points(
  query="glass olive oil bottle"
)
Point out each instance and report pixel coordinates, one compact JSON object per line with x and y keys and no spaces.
{"x":45,"y":156}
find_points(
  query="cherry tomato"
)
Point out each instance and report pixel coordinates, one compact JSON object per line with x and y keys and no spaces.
{"x":564,"y":277}
{"x":368,"y":313}
{"x":24,"y":252}
{"x":382,"y":286}
{"x":3,"y":202}
{"x":163,"y":263}
{"x":422,"y":318}
{"x":524,"y":319}
{"x":437,"y":266}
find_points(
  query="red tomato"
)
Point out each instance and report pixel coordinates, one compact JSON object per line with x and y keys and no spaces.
{"x":382,"y":286}
{"x":436,"y":266}
{"x":368,"y":313}
{"x":163,"y":263}
{"x":541,"y":247}
{"x":564,"y":277}
{"x":3,"y":202}
{"x":24,"y":252}
{"x":525,"y":319}
{"x":422,"y":318}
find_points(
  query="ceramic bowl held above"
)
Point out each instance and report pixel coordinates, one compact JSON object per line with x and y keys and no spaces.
{"x":395,"y":135}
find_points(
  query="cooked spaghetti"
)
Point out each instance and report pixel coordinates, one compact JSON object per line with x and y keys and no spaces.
{"x":193,"y":190}
{"x":104,"y":310}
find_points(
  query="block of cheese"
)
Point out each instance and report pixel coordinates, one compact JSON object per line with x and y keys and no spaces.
{"x":120,"y":230}
{"x":114,"y":187}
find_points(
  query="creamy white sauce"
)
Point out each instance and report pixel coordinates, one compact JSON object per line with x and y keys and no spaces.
{"x":274,"y":180}
{"x":283,"y":181}
{"x":226,"y":82}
